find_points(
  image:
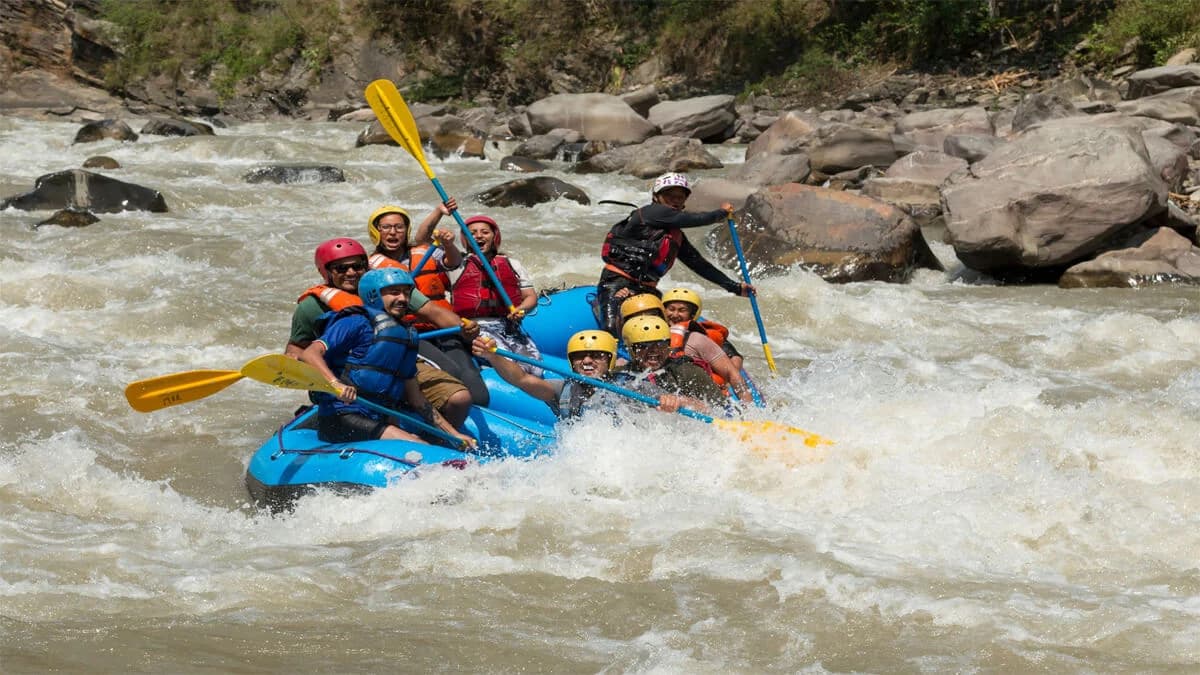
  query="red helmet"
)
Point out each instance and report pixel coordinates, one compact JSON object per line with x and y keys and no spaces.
{"x":490,"y":223}
{"x":336,"y":249}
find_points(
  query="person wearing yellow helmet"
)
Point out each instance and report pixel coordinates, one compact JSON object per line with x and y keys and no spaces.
{"x":643,"y":247}
{"x":591,"y":353}
{"x":648,"y":339}
{"x":704,"y":340}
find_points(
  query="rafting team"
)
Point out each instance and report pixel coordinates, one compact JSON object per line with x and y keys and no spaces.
{"x":360,"y":326}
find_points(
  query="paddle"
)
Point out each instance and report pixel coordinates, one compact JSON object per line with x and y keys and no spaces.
{"x":762,"y":332}
{"x":425,"y":258}
{"x":280,"y":371}
{"x":156,"y":393}
{"x":746,"y":430}
{"x":397,"y":120}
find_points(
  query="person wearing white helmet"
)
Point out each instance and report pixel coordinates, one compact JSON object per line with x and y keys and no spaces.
{"x":643,"y":247}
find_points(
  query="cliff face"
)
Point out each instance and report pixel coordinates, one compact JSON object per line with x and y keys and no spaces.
{"x":56,"y":36}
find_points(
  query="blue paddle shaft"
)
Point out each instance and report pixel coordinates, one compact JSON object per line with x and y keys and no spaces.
{"x":737,"y":246}
{"x":483,"y":261}
{"x":609,"y":386}
{"x":424,"y":259}
{"x":439,"y":332}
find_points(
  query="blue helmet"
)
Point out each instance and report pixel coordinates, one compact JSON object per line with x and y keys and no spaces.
{"x":373,"y":282}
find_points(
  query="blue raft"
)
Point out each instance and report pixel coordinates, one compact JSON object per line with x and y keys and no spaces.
{"x":294,"y":462}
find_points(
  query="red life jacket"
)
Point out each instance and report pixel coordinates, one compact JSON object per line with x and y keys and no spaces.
{"x":474,"y":295}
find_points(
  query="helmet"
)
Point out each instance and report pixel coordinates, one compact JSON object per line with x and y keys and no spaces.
{"x":336,"y":249}
{"x":372,"y":222}
{"x":640,"y":303}
{"x":593,"y":341}
{"x":491,"y":223}
{"x":669,"y":180}
{"x":683,"y":295}
{"x":641,"y":329}
{"x":373,"y":282}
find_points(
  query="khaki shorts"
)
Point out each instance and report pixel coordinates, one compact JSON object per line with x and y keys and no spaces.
{"x":437,"y":385}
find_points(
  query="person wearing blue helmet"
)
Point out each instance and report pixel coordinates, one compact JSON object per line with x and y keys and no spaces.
{"x":369,"y":350}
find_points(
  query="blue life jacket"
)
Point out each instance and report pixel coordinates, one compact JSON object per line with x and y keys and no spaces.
{"x":379,"y":374}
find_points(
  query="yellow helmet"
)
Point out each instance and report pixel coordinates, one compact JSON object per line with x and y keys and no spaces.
{"x":593,"y":341}
{"x":683,"y":295}
{"x":641,"y":329}
{"x":373,"y":227}
{"x":640,"y":303}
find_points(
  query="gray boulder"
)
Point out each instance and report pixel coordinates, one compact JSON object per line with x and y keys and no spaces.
{"x":1049,"y":198}
{"x":1166,"y":257}
{"x":175,"y":126}
{"x":656,"y":156}
{"x":1155,"y":80}
{"x":599,"y":117}
{"x":102,"y":129}
{"x":71,"y":217}
{"x":704,"y":117}
{"x":531,"y":191}
{"x":295,"y":174}
{"x":840,"y":147}
{"x":929,"y":128}
{"x":79,"y":189}
{"x":770,"y":169}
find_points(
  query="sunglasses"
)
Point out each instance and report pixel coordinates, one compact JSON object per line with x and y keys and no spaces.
{"x":342,"y":268}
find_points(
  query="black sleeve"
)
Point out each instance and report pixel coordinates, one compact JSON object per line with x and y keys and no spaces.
{"x":665,"y":217}
{"x":688,"y":255}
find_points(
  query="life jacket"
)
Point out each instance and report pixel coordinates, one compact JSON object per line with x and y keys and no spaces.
{"x":474,"y":294}
{"x":389,"y":361}
{"x":643,"y":254}
{"x":715,"y":332}
{"x":577,"y":397}
{"x":431,"y":280}
{"x":333,"y":298}
{"x":667,"y":377}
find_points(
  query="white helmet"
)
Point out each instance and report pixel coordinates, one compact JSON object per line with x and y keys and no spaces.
{"x":669,"y":180}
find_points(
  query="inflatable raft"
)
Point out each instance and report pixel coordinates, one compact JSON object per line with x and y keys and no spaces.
{"x":294,"y":462}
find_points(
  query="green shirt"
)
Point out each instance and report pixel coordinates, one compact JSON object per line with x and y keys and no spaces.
{"x":308,"y":310}
{"x":681,"y":376}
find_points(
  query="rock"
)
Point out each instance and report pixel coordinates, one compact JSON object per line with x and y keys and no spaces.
{"x":101,"y":162}
{"x":841,"y":236}
{"x":1156,"y":80}
{"x":708,"y":194}
{"x":295,"y":174}
{"x":361,"y":115}
{"x":541,"y":146}
{"x":841,"y":147}
{"x":919,"y":199}
{"x":704,"y":117}
{"x":927,"y":166}
{"x":70,"y":217}
{"x":175,"y":126}
{"x":530,"y":192}
{"x":1166,"y":257}
{"x":929,"y":128}
{"x":521,"y":164}
{"x":1040,"y":107}
{"x":1049,"y":198}
{"x":970,"y":147}
{"x":1182,"y":57}
{"x":1180,"y":106}
{"x":768,"y":169}
{"x":656,"y":156}
{"x":81,"y":189}
{"x":102,"y":129}
{"x":642,"y":99}
{"x":787,"y":136}
{"x":599,"y":117}
{"x":1086,"y":89}
{"x":374,"y":134}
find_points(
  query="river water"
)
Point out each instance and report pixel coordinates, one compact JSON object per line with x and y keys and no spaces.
{"x":1014,"y":484}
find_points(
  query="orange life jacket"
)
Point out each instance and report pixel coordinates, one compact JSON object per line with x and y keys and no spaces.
{"x":715,"y":332}
{"x":430,"y":280}
{"x":334,"y":298}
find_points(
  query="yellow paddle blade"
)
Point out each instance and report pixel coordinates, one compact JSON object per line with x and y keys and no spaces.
{"x":778,"y":441}
{"x":280,"y":371}
{"x":397,"y":120}
{"x":770,"y":359}
{"x":156,"y":393}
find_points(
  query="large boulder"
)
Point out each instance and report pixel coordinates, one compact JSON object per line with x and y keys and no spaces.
{"x":1180,"y":106}
{"x":1155,"y":80}
{"x":599,"y":117}
{"x":84,"y":190}
{"x":99,"y":130}
{"x":656,"y":156}
{"x":841,"y":147}
{"x":771,"y":169}
{"x":1166,"y":257}
{"x":929,"y":128}
{"x":704,"y":117}
{"x":175,"y":126}
{"x":1051,"y":197}
{"x":531,"y":191}
{"x":787,"y":135}
{"x":841,"y":236}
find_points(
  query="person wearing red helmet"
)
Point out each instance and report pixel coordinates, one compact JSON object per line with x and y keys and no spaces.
{"x":475,"y":297}
{"x":642,"y":248}
{"x":341,"y":263}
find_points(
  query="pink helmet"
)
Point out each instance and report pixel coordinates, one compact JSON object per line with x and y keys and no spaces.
{"x":336,"y":249}
{"x":490,"y":223}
